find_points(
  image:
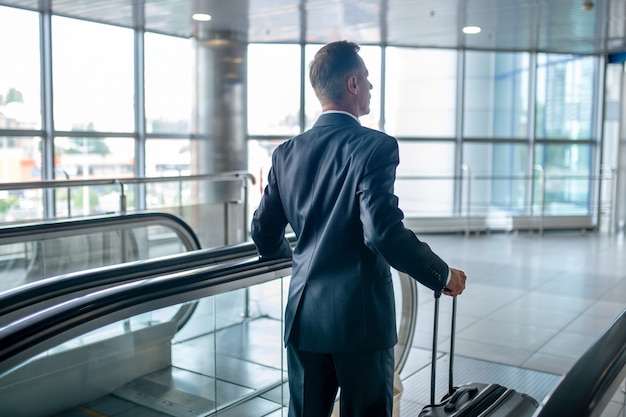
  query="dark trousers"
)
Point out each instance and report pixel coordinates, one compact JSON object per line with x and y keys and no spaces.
{"x":365,"y":379}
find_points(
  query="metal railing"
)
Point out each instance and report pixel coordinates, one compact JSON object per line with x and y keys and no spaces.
{"x":122,"y":182}
{"x":474,"y":213}
{"x":242,"y":177}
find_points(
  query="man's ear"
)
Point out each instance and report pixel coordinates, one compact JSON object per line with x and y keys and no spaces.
{"x":352,"y":83}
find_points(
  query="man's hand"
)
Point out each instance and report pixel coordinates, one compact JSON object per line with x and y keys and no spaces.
{"x":456,"y":285}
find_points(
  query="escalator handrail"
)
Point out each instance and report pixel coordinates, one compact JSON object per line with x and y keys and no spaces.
{"x":590,"y":384}
{"x":78,"y":226}
{"x":61,"y":285}
{"x":39,"y":331}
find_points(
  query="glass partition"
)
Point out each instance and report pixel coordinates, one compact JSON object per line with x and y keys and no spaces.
{"x":498,"y":178}
{"x":219,"y":351}
{"x":214,"y":205}
{"x":216,"y":218}
{"x":226,"y":357}
{"x":39,"y":253}
{"x":564,"y":186}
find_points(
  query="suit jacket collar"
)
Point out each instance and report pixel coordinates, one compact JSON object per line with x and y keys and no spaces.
{"x":335,"y":119}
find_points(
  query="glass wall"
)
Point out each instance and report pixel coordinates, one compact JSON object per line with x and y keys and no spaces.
{"x":565,"y":109}
{"x":503,"y":132}
{"x":495,"y":117}
{"x":168,"y":84}
{"x":420,"y":94}
{"x":565,"y":183}
{"x":274,"y":96}
{"x":565,"y":97}
{"x":20,"y":74}
{"x":92,"y":76}
{"x":91,"y":158}
{"x":425,"y":178}
{"x":496,"y":95}
{"x":499,"y":182}
{"x":20,"y":112}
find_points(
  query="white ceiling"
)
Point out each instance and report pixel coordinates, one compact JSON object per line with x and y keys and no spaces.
{"x":513,"y":25}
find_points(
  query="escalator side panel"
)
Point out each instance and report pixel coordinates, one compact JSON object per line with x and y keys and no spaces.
{"x":96,"y":368}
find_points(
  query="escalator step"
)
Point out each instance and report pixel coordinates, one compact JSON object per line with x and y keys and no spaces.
{"x":165,"y":399}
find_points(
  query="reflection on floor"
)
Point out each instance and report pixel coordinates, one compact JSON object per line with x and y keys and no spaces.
{"x":533,"y":305}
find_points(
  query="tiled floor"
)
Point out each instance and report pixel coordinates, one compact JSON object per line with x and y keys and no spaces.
{"x":536,"y":302}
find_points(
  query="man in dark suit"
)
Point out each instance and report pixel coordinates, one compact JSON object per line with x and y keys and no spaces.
{"x":334,"y":185}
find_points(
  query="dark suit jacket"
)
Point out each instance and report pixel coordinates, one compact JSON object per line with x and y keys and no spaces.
{"x":334,"y":185}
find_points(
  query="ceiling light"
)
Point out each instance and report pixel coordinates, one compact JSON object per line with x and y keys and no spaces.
{"x":471,"y":30}
{"x":201,"y":17}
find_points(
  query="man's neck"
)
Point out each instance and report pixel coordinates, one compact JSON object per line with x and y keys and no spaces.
{"x":342,"y":112}
{"x":340,"y":108}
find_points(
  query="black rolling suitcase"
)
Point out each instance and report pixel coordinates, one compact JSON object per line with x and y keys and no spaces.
{"x":473,"y":399}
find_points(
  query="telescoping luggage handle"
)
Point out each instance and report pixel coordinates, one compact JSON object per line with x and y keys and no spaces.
{"x":433,"y":368}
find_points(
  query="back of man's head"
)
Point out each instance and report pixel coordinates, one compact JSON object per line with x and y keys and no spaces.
{"x":330,"y":68}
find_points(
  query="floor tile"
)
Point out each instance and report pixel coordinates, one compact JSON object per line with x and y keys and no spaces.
{"x":417,"y":359}
{"x":553,"y":302}
{"x":591,"y":326}
{"x":546,"y":362}
{"x":604,"y":308}
{"x":501,"y":354}
{"x":519,"y":336}
{"x":617,"y":293}
{"x":568,"y":344}
{"x":516,"y":313}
